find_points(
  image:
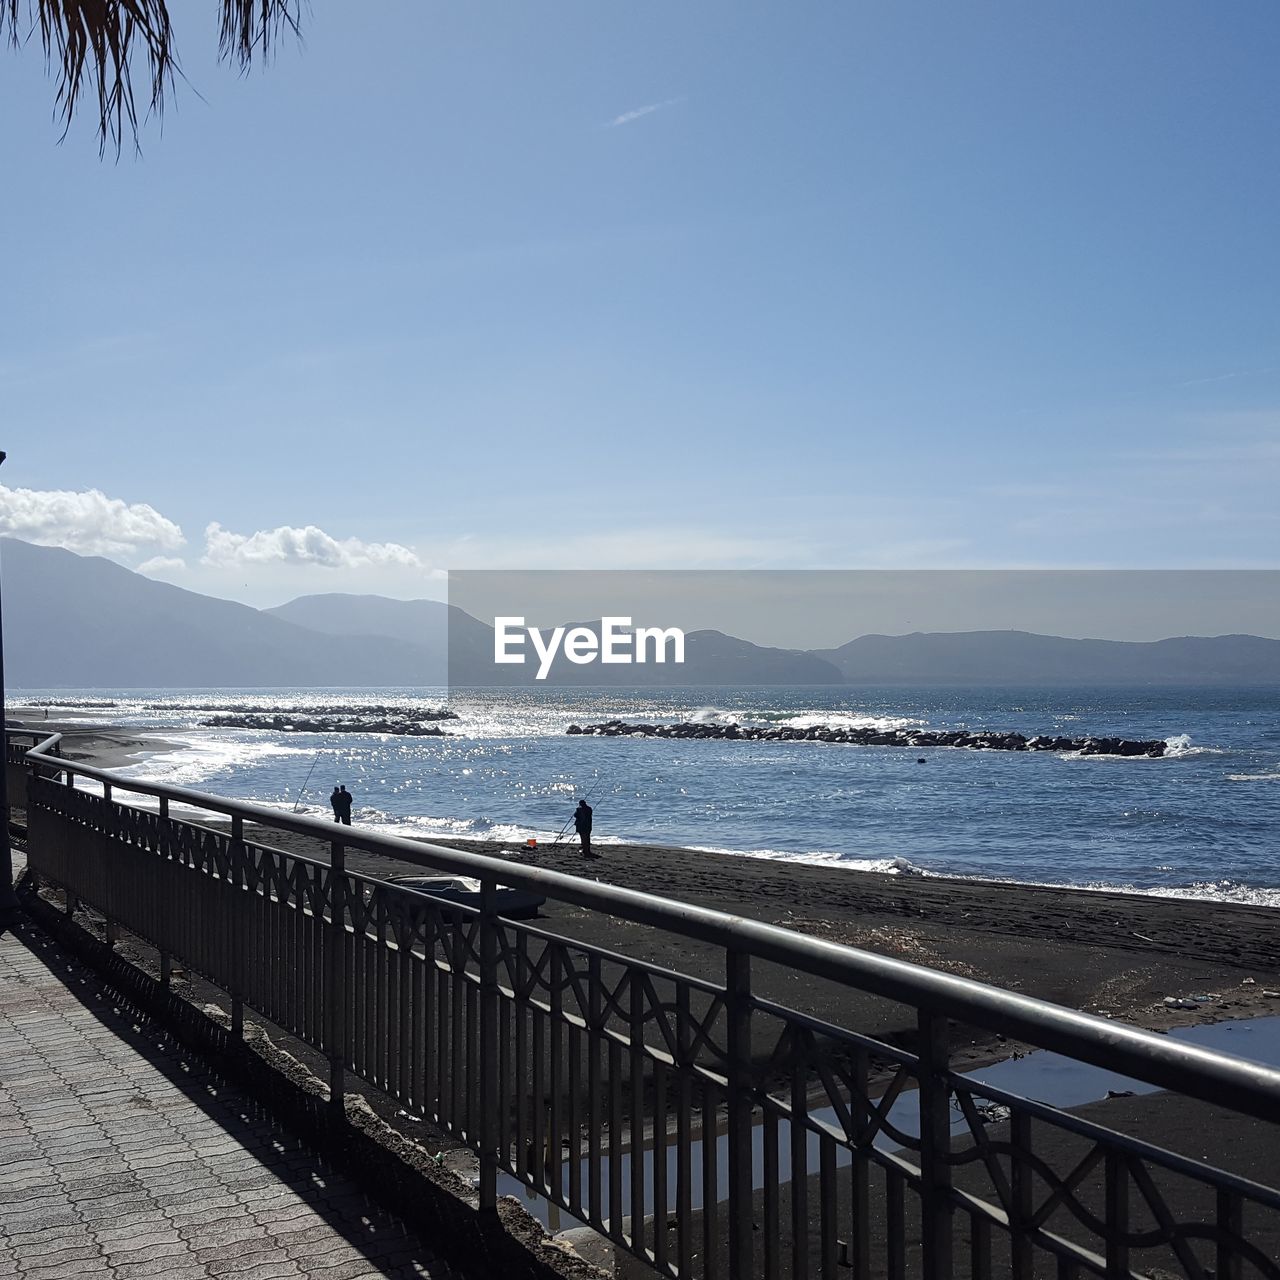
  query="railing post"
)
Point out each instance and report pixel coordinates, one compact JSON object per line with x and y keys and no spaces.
{"x":935,"y":1146}
{"x":740,"y":1075}
{"x":335,"y":984}
{"x":236,"y":857}
{"x":489,"y":1100}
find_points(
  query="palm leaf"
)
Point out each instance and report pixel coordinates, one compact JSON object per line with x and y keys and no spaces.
{"x":95,"y":43}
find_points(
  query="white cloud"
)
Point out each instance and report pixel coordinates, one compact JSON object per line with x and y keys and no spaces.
{"x":628,"y":116}
{"x":87,"y":522}
{"x":163,"y":565}
{"x":307,"y":546}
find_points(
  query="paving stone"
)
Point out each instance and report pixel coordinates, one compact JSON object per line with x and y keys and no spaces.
{"x":114,"y":1169}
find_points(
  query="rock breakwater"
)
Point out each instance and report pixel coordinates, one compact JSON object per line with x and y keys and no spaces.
{"x":976,"y":740}
{"x":417,"y":724}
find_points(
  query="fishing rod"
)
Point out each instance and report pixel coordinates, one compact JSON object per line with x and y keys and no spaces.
{"x":307,"y":779}
{"x":594,"y":788}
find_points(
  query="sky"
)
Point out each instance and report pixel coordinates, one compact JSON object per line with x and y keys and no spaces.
{"x":879,"y":285}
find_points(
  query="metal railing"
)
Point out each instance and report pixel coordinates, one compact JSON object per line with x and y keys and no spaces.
{"x":708,"y":1131}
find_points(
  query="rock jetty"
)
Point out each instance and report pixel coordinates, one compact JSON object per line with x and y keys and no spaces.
{"x":976,"y":740}
{"x":415,"y":724}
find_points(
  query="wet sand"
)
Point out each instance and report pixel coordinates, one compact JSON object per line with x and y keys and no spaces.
{"x":90,"y":743}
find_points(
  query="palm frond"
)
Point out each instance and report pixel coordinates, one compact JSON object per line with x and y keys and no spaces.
{"x":249,"y":25}
{"x":96,"y":43}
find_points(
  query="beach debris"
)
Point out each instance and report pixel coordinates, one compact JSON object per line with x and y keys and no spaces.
{"x":1142,"y":937}
{"x":1180,"y":1002}
{"x":988,"y":1112}
{"x":1248,"y":982}
{"x":867,"y":736}
{"x":1272,"y":995}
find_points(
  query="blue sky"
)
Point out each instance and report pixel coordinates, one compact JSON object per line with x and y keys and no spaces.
{"x":720,"y":285}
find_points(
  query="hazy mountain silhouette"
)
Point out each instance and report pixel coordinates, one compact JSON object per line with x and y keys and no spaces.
{"x":710,"y":658}
{"x":83,"y":622}
{"x":1021,"y":658}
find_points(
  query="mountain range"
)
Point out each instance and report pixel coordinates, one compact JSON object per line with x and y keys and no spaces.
{"x":75,"y":621}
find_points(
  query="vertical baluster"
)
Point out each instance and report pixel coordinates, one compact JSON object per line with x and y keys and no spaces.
{"x":595,"y":1034}
{"x":772,"y":1236}
{"x":1022,"y":1190}
{"x":741,"y":1082}
{"x":934,"y":1097}
{"x":684,"y":1131}
{"x":659,"y":1113}
{"x":1117,"y":1214}
{"x":538,"y":1118}
{"x":828,"y":1222}
{"x":799,"y":1172}
{"x":457,"y":1027}
{"x":615,"y":1139}
{"x":381,"y":995}
{"x":979,"y":1247}
{"x":430,"y":1031}
{"x":506,"y":1087}
{"x":489,"y":1099}
{"x":399,"y":1010}
{"x":555,"y":1116}
{"x":1230,"y":1219}
{"x":713,"y":1256}
{"x":860,"y":1174}
{"x":576,"y":1041}
{"x":895,"y":1226}
{"x":336,"y":979}
{"x":474,"y":1065}
{"x":239,"y":940}
{"x":635,"y":1083}
{"x":526,"y":1140}
{"x":371,"y":966}
{"x":419,"y":1035}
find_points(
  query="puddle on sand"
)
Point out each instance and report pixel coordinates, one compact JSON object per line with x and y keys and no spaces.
{"x":1040,"y":1075}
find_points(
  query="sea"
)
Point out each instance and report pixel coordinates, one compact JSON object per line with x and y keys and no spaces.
{"x":1203,"y":821}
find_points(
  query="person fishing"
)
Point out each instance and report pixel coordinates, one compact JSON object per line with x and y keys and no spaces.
{"x":343,"y":811}
{"x":582,"y":824}
{"x":335,"y":803}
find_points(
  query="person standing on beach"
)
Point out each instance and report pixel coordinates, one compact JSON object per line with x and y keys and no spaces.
{"x":582,"y":824}
{"x":344,"y":806}
{"x":335,"y":802}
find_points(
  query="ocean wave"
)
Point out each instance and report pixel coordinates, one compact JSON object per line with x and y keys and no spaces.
{"x":1253,"y":777}
{"x":849,"y":720}
{"x":886,"y":866}
{"x":1180,"y":745}
{"x":713,"y":715}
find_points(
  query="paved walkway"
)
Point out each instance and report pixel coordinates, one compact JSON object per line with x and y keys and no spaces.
{"x":122,"y":1156}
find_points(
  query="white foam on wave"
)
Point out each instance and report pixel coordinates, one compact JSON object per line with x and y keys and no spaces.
{"x":1177,"y":747}
{"x":1253,"y":777}
{"x":199,"y":757}
{"x":713,"y":715}
{"x":1180,"y":745}
{"x":888,"y":866}
{"x":849,"y":720}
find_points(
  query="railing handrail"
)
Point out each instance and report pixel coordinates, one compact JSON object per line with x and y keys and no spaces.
{"x":1199,"y":1073}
